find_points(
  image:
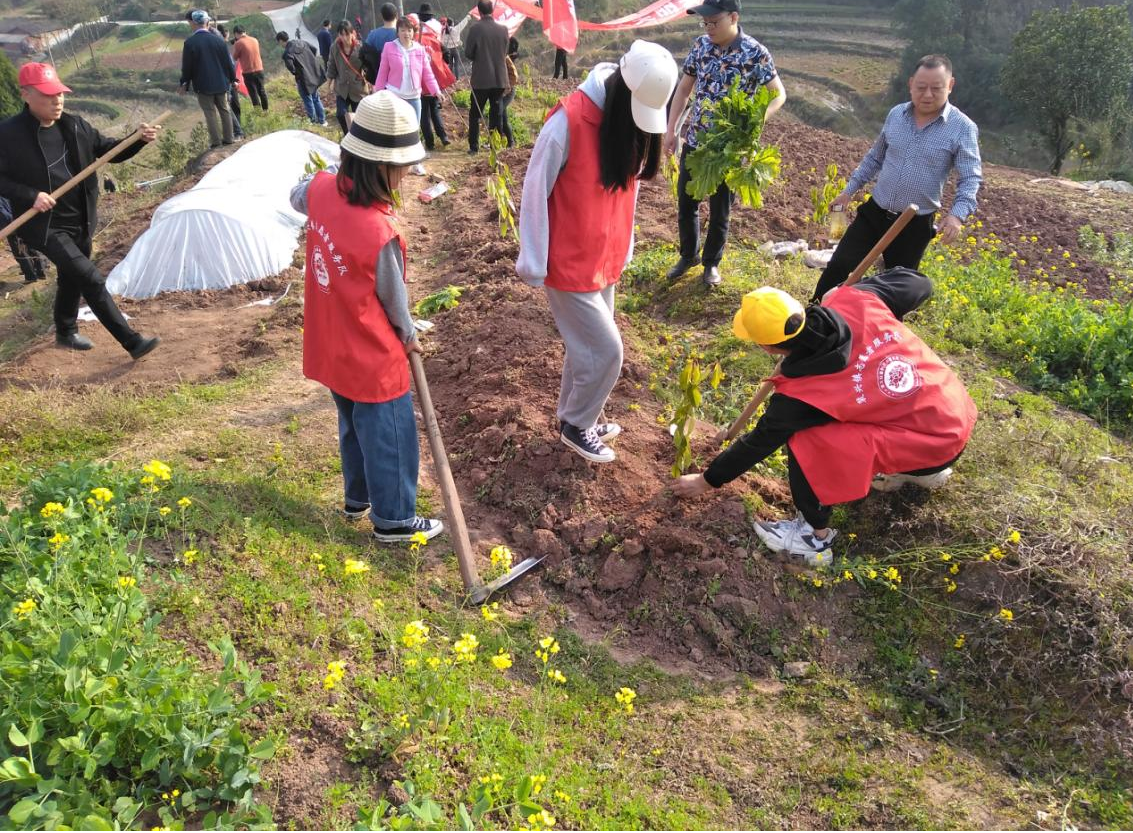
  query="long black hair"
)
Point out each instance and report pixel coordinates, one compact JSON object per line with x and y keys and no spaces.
{"x":625,"y":151}
{"x":361,"y":181}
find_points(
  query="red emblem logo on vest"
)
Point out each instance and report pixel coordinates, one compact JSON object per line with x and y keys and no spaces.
{"x":897,"y":377}
{"x":319,"y":264}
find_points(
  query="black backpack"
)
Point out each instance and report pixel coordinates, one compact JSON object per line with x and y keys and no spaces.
{"x":371,"y":60}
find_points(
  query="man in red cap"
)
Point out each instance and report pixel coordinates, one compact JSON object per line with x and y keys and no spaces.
{"x":41,"y":148}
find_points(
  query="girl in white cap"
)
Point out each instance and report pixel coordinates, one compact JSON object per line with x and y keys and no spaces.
{"x":357,"y":329}
{"x":576,"y":223}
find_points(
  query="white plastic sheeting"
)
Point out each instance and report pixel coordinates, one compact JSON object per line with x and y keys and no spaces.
{"x":235,"y":225}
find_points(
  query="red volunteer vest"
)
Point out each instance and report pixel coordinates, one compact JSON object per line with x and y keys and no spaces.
{"x":348,"y":343}
{"x":897,"y":406}
{"x":590,"y":227}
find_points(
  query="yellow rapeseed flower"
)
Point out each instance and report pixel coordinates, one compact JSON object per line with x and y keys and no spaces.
{"x":102,"y":494}
{"x":1013,"y":537}
{"x":945,"y":556}
{"x":189,"y":556}
{"x":489,"y":612}
{"x":556,"y":676}
{"x":502,"y":660}
{"x":501,"y":557}
{"x":403,"y":721}
{"x":353,"y":567}
{"x":185,"y":502}
{"x":415,"y":634}
{"x":419,"y":539}
{"x":954,"y":569}
{"x":549,"y":643}
{"x":51,"y":508}
{"x":465,"y":648}
{"x":625,"y":697}
{"x":1006,"y":615}
{"x":127,"y":581}
{"x":541,"y":820}
{"x":58,"y":539}
{"x":157,"y":470}
{"x":562,"y":796}
{"x":892,"y":574}
{"x":336,"y":672}
{"x":163,"y":511}
{"x":959,"y":643}
{"x":996,"y":553}
{"x":537,"y":782}
{"x":25,"y":608}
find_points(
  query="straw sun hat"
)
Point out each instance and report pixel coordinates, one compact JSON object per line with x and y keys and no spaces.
{"x":385,"y":130}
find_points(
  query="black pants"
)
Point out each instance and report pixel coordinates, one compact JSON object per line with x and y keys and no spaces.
{"x":33,"y":265}
{"x":78,"y":278}
{"x":431,"y":120}
{"x":560,"y":63}
{"x":688,"y":219}
{"x":234,"y":106}
{"x":488,"y":99}
{"x":254,"y":81}
{"x":807,"y":502}
{"x":504,"y":103}
{"x":452,"y":58}
{"x":868,"y":227}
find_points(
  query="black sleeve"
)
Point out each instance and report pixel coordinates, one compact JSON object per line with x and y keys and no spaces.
{"x":188,"y":61}
{"x":784,"y":416}
{"x":902,"y":290}
{"x":19,"y":193}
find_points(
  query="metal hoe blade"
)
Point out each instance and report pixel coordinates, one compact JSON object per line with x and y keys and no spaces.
{"x":485,"y":591}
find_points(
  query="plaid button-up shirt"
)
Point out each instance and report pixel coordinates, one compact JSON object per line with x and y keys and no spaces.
{"x":912,"y":164}
{"x":716,"y":67}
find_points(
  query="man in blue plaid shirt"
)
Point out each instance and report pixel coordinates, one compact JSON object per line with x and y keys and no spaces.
{"x":718,"y":57}
{"x":921,"y":142}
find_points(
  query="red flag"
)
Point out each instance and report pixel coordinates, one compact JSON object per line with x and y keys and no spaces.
{"x":560,"y":24}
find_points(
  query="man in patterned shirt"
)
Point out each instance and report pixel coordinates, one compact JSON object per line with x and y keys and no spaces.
{"x":718,"y":57}
{"x":921,"y":142}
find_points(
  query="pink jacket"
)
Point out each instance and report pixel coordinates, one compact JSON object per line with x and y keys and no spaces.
{"x":391,"y":69}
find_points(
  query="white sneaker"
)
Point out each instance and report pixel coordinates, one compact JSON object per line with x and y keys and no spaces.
{"x":797,"y":537}
{"x":418,"y":169}
{"x":893,"y":482}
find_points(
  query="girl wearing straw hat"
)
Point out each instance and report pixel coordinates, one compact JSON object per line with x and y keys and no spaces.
{"x":576,"y":224}
{"x":357,"y":329}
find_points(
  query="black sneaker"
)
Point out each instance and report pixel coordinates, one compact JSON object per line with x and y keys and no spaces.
{"x":586,"y":443}
{"x":74,"y":341}
{"x":144,"y":347}
{"x":429,"y":527}
{"x":606,"y":430}
{"x":354,"y":513}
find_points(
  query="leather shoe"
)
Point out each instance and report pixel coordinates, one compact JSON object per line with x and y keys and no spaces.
{"x":712,"y":276}
{"x":74,"y":341}
{"x":144,"y":346}
{"x":682,"y":266}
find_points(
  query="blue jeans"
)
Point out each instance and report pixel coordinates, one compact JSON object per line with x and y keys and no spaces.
{"x":416,"y":104}
{"x":313,"y":105}
{"x":380,"y":457}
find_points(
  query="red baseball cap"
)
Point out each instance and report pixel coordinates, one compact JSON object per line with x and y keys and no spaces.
{"x":43,"y":78}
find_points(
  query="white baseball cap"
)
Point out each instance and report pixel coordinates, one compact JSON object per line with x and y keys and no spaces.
{"x":651,"y":74}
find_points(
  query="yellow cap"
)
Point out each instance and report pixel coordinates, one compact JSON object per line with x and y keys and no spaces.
{"x":762,"y":316}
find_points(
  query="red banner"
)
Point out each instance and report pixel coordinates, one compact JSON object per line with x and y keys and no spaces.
{"x":560,"y":23}
{"x":510,"y":18}
{"x":511,"y":13}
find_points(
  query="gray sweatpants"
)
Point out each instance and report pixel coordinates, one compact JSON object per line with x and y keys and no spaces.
{"x":593,"y":360}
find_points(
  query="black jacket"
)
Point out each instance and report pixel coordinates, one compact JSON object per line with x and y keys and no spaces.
{"x":206,"y":65}
{"x":23,"y":168}
{"x":824,"y":349}
{"x":302,"y":61}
